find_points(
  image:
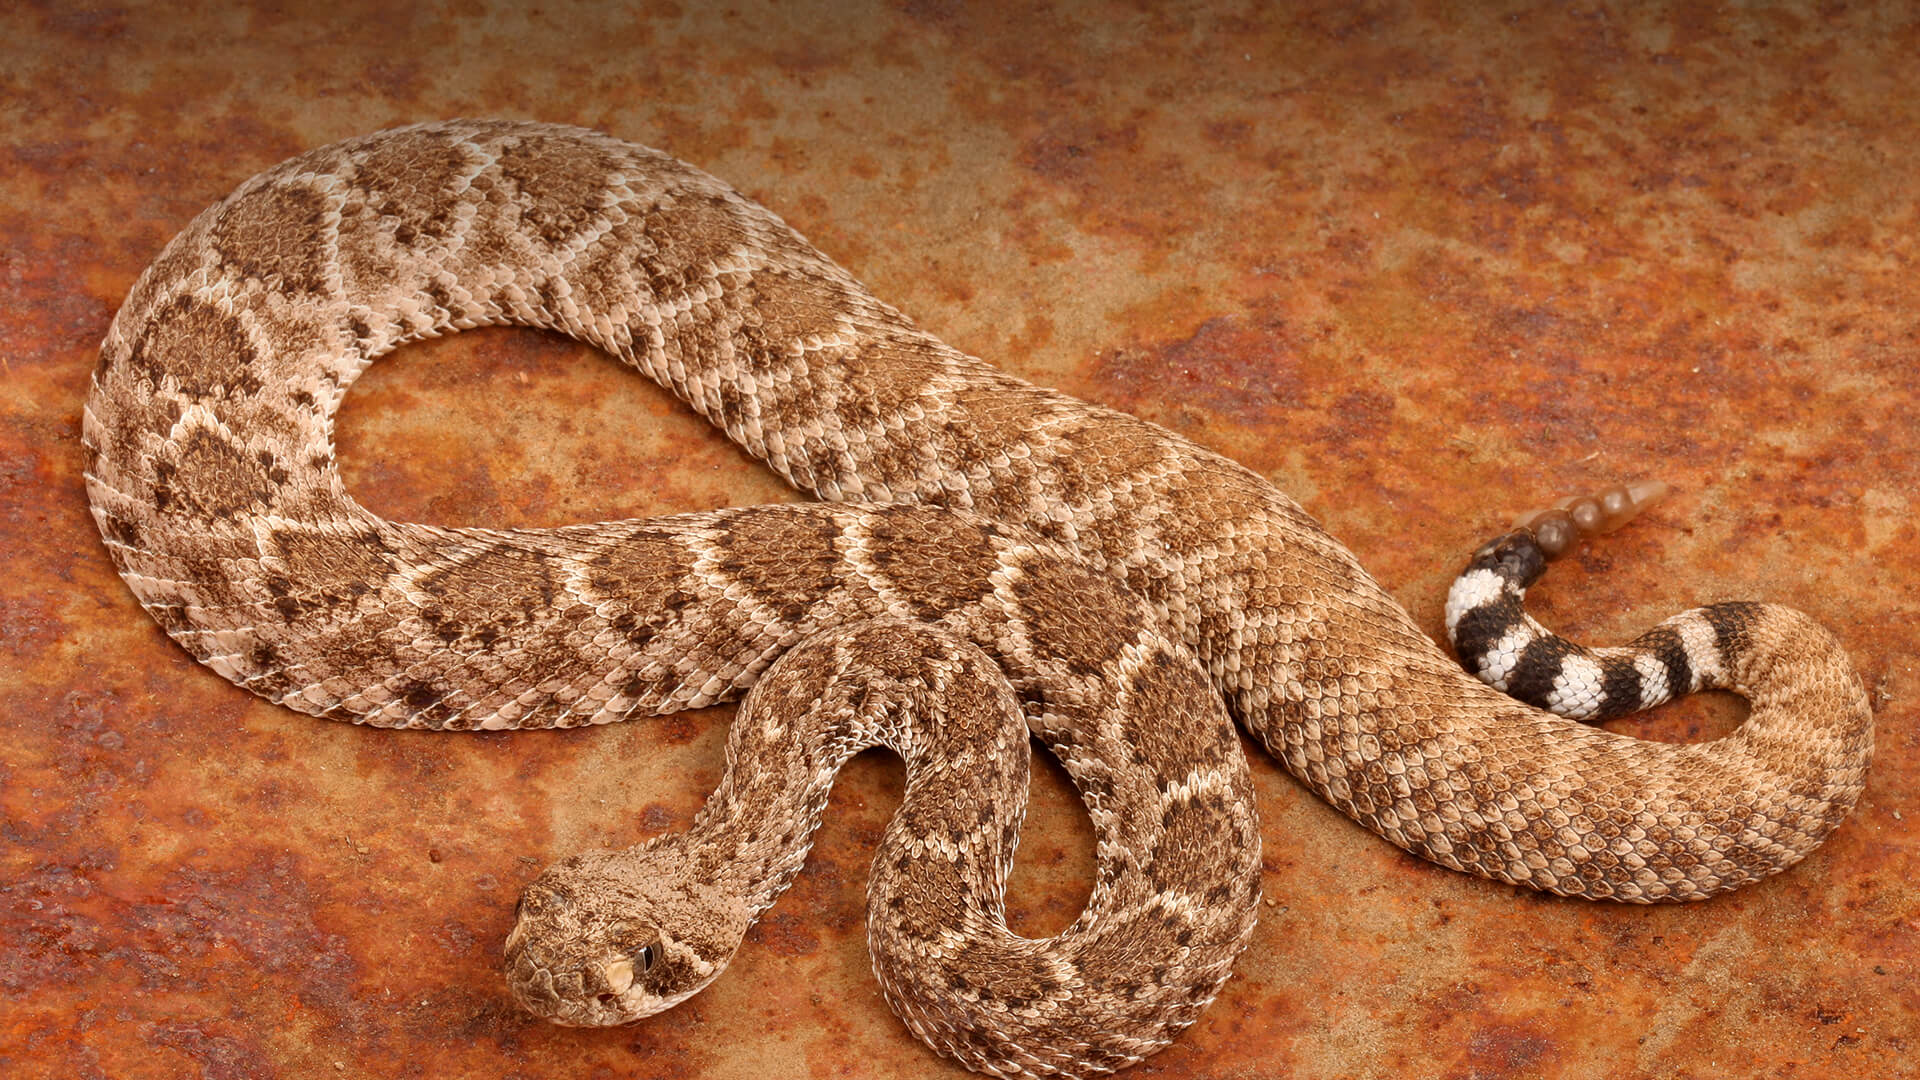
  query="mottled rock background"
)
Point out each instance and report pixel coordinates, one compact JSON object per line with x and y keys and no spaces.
{"x":1424,"y":266}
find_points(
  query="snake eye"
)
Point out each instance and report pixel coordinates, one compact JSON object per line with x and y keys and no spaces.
{"x":643,"y":960}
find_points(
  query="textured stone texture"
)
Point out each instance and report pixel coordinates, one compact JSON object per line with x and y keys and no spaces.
{"x":1424,"y":267}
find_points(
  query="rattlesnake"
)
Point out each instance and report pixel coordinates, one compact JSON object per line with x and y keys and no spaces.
{"x":988,"y":552}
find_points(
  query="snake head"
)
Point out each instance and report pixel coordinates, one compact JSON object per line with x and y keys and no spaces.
{"x":608,"y":937}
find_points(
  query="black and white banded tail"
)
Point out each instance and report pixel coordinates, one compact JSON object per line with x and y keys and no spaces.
{"x":1508,"y":649}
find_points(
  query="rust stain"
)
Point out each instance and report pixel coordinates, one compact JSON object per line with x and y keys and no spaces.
{"x":1425,"y":266}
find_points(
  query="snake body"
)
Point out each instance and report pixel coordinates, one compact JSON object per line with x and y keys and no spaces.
{"x":1131,"y":590}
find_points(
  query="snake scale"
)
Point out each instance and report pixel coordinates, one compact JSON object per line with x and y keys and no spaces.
{"x":989,"y":559}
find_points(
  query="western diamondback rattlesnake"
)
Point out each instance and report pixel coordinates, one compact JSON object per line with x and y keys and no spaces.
{"x":1132,"y":590}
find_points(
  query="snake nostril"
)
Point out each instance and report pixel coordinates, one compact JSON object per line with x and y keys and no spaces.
{"x":607,"y":999}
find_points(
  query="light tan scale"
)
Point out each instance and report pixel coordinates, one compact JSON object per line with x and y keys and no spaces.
{"x":1131,"y":590}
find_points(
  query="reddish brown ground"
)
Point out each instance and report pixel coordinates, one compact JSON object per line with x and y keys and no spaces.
{"x":1423,"y":269}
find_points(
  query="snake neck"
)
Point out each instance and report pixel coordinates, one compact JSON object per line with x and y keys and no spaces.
{"x":925,"y":694}
{"x":755,"y":831}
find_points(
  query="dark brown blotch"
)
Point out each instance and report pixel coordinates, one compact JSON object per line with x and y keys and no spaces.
{"x":784,"y":309}
{"x":789,"y":559}
{"x":491,"y":591}
{"x":266,"y":672}
{"x":406,"y":177}
{"x":277,"y":235}
{"x":361,"y":658}
{"x":1189,"y":854}
{"x":563,"y":183}
{"x":119,"y":530}
{"x":648,"y":576}
{"x":1112,"y":446}
{"x":202,"y":348}
{"x":686,"y":234}
{"x":1205,"y":497}
{"x":428,"y":703}
{"x":173,"y":618}
{"x":937,"y":562}
{"x":212,"y":476}
{"x":734,"y":408}
{"x":1165,"y":704}
{"x":871,"y":394}
{"x":1074,"y":615}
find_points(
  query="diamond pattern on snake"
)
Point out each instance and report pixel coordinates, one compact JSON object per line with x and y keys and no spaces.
{"x":989,"y":561}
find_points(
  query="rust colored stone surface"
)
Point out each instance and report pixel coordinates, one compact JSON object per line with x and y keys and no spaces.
{"x":1423,"y":266}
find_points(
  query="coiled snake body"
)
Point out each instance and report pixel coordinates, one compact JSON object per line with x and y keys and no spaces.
{"x":991,"y":555}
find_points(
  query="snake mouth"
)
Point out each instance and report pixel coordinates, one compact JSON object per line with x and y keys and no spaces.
{"x":591,"y":995}
{"x":565,"y":998}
